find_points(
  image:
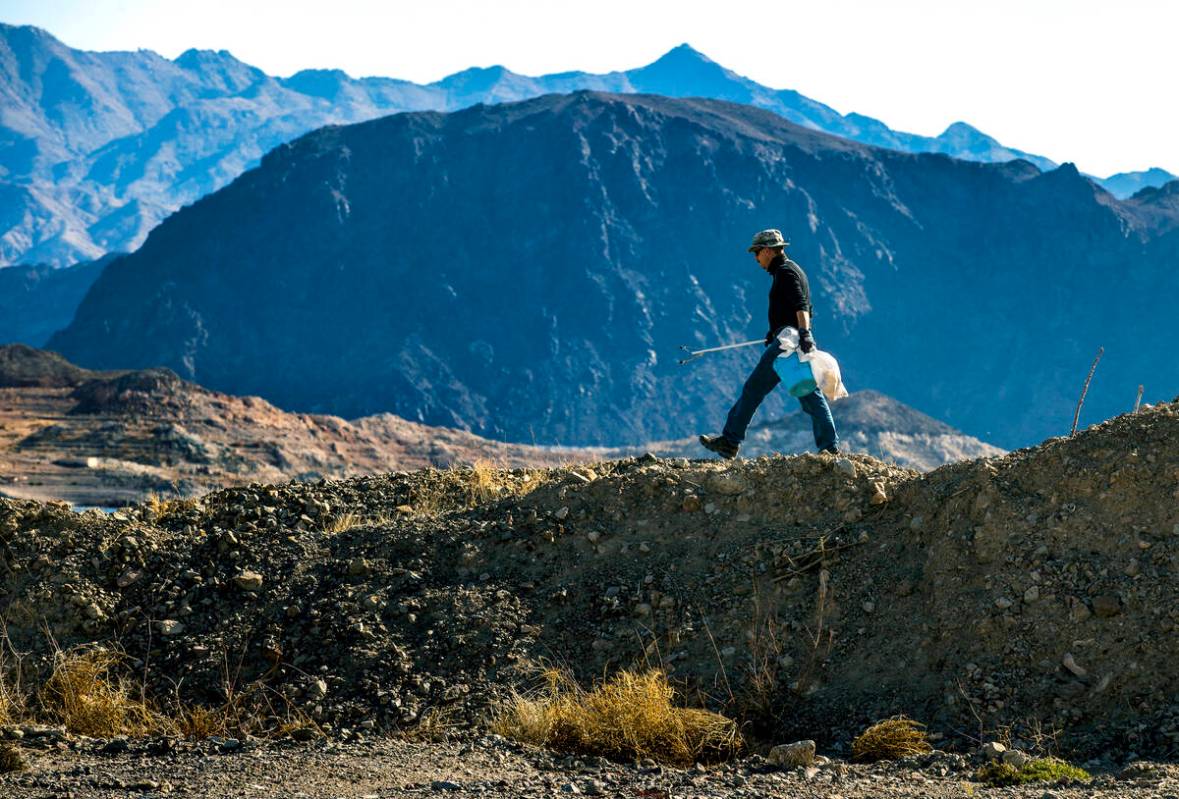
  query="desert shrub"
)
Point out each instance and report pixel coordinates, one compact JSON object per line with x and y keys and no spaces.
{"x":890,"y":739}
{"x":85,"y":694}
{"x":628,"y":717}
{"x":1044,"y":769}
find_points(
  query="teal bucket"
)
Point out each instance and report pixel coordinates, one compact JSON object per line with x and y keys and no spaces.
{"x":798,"y":377}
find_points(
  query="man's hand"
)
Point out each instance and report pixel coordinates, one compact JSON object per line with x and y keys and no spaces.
{"x":806,"y":340}
{"x":769,"y":338}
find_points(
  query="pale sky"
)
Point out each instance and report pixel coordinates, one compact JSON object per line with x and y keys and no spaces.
{"x":1088,"y":81}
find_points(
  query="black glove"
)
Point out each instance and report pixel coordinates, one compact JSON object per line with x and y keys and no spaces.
{"x":769,"y":338}
{"x":806,"y":340}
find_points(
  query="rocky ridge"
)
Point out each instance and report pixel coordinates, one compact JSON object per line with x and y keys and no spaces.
{"x":808,"y":595}
{"x":112,"y":439}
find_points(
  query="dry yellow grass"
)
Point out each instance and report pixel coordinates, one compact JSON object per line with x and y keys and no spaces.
{"x":13,"y":705}
{"x":161,"y":507}
{"x":460,"y":488}
{"x":630,"y":716}
{"x":84,"y":694}
{"x":889,"y":740}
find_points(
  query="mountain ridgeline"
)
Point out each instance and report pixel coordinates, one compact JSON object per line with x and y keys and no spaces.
{"x":97,"y":148}
{"x":528,"y":271}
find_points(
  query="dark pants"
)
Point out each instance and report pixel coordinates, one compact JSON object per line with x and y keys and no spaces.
{"x":760,"y":383}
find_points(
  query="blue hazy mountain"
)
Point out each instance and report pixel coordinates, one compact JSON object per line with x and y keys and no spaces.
{"x":38,"y":300}
{"x":1127,"y":184}
{"x":97,"y":148}
{"x":528,"y":271}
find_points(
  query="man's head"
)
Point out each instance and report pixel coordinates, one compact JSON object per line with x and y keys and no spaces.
{"x":767,"y":245}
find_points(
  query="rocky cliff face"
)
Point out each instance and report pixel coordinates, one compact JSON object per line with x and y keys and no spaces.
{"x":528,"y":272}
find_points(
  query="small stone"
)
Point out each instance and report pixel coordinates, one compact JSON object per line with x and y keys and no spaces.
{"x":879,"y":496}
{"x":593,"y":536}
{"x":93,"y":611}
{"x":1003,"y":603}
{"x":1071,"y":664}
{"x":992,"y":750}
{"x":869,"y":607}
{"x":1032,"y":594}
{"x":562,"y":513}
{"x":319,"y":689}
{"x":116,"y":746}
{"x":570,"y":787}
{"x":1015,"y":758}
{"x":1106,"y":605}
{"x":799,"y":753}
{"x":229,"y":745}
{"x":169,"y":627}
{"x":845,"y":466}
{"x":644,"y":547}
{"x":128,"y":577}
{"x":1078,"y":611}
{"x":248,"y":581}
{"x":445,"y":785}
{"x":692,"y":504}
{"x":1132,"y":568}
{"x":358,"y":567}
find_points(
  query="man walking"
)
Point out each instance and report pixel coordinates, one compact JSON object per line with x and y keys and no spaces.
{"x":790,"y":306}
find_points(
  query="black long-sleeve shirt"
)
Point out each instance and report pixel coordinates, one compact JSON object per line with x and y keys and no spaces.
{"x":789,"y":294}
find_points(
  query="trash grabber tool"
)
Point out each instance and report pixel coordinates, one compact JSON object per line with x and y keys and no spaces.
{"x":694,"y":354}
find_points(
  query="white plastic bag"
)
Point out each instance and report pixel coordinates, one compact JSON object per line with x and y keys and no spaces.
{"x":788,"y":340}
{"x":826,"y":370}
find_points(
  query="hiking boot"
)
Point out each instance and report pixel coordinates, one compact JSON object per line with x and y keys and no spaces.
{"x":720,"y":445}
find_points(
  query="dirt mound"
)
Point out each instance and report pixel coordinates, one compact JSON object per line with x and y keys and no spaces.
{"x":806,"y":594}
{"x":150,"y":391}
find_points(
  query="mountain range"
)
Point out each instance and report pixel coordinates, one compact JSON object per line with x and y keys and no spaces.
{"x":527,"y":271}
{"x":96,"y":148}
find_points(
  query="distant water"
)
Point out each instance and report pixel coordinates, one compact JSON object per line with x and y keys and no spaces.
{"x":103,"y":508}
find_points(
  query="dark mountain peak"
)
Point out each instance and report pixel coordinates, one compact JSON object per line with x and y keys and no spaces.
{"x":1167,"y":194}
{"x":22,"y":366}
